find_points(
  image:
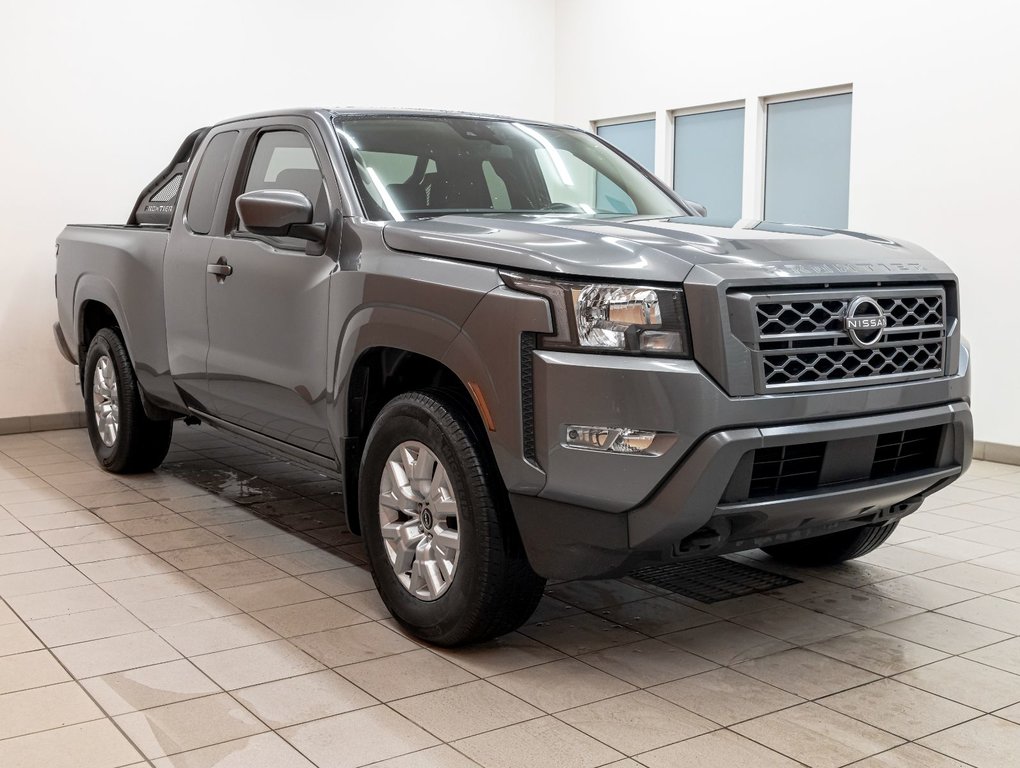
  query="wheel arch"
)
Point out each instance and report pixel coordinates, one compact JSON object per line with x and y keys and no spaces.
{"x":93,"y":316}
{"x":98,"y":308}
{"x":379,"y":374}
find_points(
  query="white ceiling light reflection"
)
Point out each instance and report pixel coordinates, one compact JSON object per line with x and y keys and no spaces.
{"x":384,"y":194}
{"x":554,"y":155}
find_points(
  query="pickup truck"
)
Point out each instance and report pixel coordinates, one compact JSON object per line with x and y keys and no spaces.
{"x":524,"y":356}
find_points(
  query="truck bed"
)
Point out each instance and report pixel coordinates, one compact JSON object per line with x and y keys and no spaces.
{"x":91,"y":260}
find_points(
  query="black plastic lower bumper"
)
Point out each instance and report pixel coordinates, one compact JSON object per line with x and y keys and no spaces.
{"x":709,"y":504}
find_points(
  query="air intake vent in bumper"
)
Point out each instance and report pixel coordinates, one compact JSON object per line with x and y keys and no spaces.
{"x":807,"y":467}
{"x":786,"y":469}
{"x":911,"y":450}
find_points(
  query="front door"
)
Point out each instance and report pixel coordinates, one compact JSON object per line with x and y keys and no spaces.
{"x":267,"y":301}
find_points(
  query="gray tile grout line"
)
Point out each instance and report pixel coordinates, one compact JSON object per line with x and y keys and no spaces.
{"x":816,"y":701}
{"x":184,"y":657}
{"x":229,"y":692}
{"x":81,"y":687}
{"x":150,"y":629}
{"x":922,"y":746}
{"x":568,"y":656}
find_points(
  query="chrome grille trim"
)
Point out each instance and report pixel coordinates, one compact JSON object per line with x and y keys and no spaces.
{"x":797,"y":339}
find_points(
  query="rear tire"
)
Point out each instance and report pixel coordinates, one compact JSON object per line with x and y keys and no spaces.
{"x":833,"y":548}
{"x":124,"y":439}
{"x":428,"y":480}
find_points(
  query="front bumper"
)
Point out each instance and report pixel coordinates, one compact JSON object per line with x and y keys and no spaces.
{"x":688,"y":516}
{"x":605,"y":514}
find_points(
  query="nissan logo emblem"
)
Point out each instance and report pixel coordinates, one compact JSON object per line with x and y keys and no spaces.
{"x":864,"y":321}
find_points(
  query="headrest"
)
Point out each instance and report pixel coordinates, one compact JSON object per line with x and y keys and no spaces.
{"x":305,"y":180}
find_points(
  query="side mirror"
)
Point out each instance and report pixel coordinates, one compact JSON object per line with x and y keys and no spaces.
{"x":279,"y":213}
{"x":698,"y":208}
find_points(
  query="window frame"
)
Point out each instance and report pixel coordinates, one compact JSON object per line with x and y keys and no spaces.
{"x":642,"y":117}
{"x":669,"y":159}
{"x":251,"y":142}
{"x":761,"y":138}
{"x":657,"y":153}
{"x":191,"y":177}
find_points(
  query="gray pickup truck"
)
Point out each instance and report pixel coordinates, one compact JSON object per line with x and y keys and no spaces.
{"x":524,"y":356}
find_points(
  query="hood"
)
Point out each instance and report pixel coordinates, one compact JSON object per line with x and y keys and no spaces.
{"x":659,"y":250}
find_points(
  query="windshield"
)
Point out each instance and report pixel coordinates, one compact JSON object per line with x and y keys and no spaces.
{"x":409,"y":167}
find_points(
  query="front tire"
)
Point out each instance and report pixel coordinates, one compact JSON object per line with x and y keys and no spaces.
{"x":124,"y":439}
{"x":833,"y":548}
{"x":445,"y":552}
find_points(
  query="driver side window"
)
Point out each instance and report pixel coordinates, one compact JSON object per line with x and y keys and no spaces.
{"x":286,"y":160}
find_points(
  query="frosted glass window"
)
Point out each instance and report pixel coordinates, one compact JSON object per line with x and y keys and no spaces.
{"x":807,"y":161}
{"x":634,"y":139}
{"x":708,"y":160}
{"x":637,"y":140}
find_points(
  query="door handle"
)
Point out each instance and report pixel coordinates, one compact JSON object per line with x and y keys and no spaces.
{"x":221,"y":269}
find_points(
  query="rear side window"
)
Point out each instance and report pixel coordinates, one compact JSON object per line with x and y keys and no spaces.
{"x":208,"y":181}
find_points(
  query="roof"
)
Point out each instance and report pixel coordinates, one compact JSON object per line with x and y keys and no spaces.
{"x":328,"y":112}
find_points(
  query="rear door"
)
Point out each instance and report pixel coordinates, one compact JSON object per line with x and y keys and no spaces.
{"x":197,"y":224}
{"x":267,"y":318}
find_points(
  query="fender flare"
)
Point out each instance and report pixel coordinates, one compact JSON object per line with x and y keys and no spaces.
{"x":92,"y":287}
{"x":371,"y":327}
{"x":384,"y":326}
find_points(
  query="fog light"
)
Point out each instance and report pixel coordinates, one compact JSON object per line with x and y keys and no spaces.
{"x":612,"y":440}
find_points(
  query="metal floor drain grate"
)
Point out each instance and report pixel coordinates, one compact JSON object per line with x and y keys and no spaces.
{"x":712,"y":579}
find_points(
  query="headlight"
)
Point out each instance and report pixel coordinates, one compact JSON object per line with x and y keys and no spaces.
{"x":636,"y":319}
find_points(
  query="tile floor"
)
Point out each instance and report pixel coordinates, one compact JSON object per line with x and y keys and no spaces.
{"x":216,"y":614}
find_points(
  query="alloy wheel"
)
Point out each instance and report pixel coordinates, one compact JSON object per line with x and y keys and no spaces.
{"x":419,"y":518}
{"x":106,"y":400}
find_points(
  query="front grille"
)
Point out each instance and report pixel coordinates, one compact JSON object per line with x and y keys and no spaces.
{"x":907,"y":451}
{"x":799,"y":340}
{"x":780,"y":319}
{"x":835,"y":365}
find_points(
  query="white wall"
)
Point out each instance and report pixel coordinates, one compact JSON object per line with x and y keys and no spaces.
{"x":97,"y":96}
{"x":935,"y":153}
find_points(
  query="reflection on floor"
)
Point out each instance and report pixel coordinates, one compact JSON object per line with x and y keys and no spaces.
{"x":217,"y":613}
